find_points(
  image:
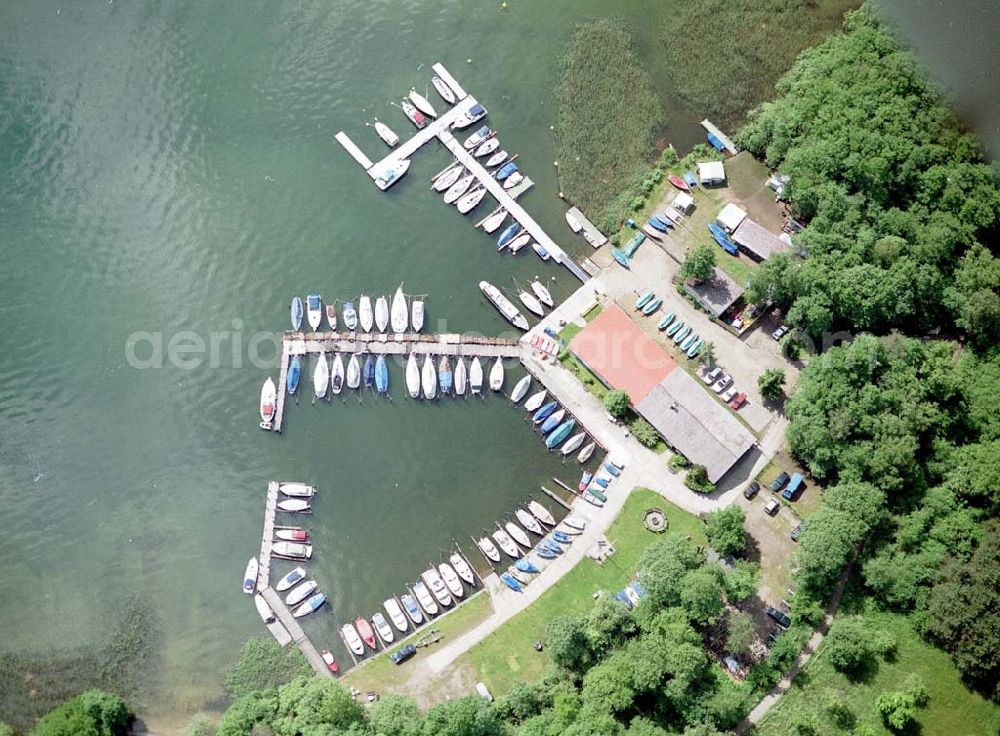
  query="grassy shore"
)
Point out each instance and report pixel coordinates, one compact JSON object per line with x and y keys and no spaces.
{"x":508,"y":656}
{"x":724,"y":56}
{"x":609,"y":116}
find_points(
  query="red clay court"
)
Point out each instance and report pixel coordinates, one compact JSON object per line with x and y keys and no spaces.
{"x":621,"y":355}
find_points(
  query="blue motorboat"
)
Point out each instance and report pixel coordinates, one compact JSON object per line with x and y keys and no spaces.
{"x":665,"y":322}
{"x":545,"y":553}
{"x":722,"y":238}
{"x":552,"y":546}
{"x":369,"y":372}
{"x":508,"y":234}
{"x":381,"y":375}
{"x":664,"y":220}
{"x":552,"y":422}
{"x":297,"y":313}
{"x":511,"y":582}
{"x":562,"y":537}
{"x":623,"y":260}
{"x":714,"y":141}
{"x":644,"y":299}
{"x":612,"y":468}
{"x":689,"y":177}
{"x":602,"y":482}
{"x":542,"y":414}
{"x":633,"y":245}
{"x":561,"y":432}
{"x":506,"y":170}
{"x":657,"y":225}
{"x":445,"y":376}
{"x":294,"y":374}
{"x":524,"y":566}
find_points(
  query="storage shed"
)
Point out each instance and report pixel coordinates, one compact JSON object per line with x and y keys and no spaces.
{"x":711,"y":173}
{"x":683,"y":203}
{"x":731,"y":217}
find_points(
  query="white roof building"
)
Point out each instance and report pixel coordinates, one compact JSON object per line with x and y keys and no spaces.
{"x":683,"y":203}
{"x":711,"y":172}
{"x":731,"y":217}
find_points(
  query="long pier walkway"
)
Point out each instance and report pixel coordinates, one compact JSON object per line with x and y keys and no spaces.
{"x":267,"y":538}
{"x":298,"y":635}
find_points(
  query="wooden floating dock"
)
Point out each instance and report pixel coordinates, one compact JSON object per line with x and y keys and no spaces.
{"x":300,"y":343}
{"x":297,"y":634}
{"x":460,"y":94}
{"x":588,"y":229}
{"x":267,"y":538}
{"x":724,"y":139}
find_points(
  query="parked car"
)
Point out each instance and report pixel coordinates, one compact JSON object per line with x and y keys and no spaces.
{"x":780,"y":332}
{"x":724,"y":380}
{"x":751,"y":490}
{"x":794,"y":488}
{"x":771,"y":507}
{"x":796,"y":532}
{"x":403,"y":654}
{"x":738,"y":401}
{"x":780,"y":616}
{"x":710,"y":377}
{"x":779,"y":482}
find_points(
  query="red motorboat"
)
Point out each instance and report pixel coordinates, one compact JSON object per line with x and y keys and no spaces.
{"x":331,"y":663}
{"x":365,"y":630}
{"x":679,"y":183}
{"x":292,"y":534}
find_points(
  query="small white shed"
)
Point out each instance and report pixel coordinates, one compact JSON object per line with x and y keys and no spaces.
{"x":711,"y":173}
{"x":731,"y":217}
{"x":683,"y":203}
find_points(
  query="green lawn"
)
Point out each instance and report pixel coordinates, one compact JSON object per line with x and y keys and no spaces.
{"x":574,"y":366}
{"x":507,"y":656}
{"x":952,"y":710}
{"x":380,"y":674}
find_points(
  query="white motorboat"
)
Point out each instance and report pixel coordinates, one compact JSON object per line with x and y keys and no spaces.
{"x":461,"y":377}
{"x":292,"y":534}
{"x":290,"y":579}
{"x":352,"y":638}
{"x":476,"y":376}
{"x":294,"y":506}
{"x":513,"y":180}
{"x":250,"y":576}
{"x":576,"y":522}
{"x":517,"y":534}
{"x":489,"y":549}
{"x":411,"y":609}
{"x":389,"y":176}
{"x":586,"y":452}
{"x":459,"y":188}
{"x":448,"y":177}
{"x":451,"y":579}
{"x":446,"y":92}
{"x":331,"y":317}
{"x":535,"y":401}
{"x":493,"y":222}
{"x":542,"y":293}
{"x":541,"y":513}
{"x":428,"y":378}
{"x":469,"y":202}
{"x":382,"y":627}
{"x":385,"y":133}
{"x":353,"y":372}
{"x":531,"y":302}
{"x":425,"y":599}
{"x":520,"y":389}
{"x":396,"y":614}
{"x":413,"y":377}
{"x":266,"y":614}
{"x":316,"y":602}
{"x":432,"y":578}
{"x":529,"y":522}
{"x":321,"y":377}
{"x":462,"y":568}
{"x":540,"y":251}
{"x":314,"y":311}
{"x":301,"y":592}
{"x":365,"y":314}
{"x":496,"y":159}
{"x":574,"y":224}
{"x":487,"y":147}
{"x":292,"y":549}
{"x":496,"y":375}
{"x":381,"y":313}
{"x":417,"y":315}
{"x":503,"y":305}
{"x":474,"y":114}
{"x":337,"y":374}
{"x":573,"y":443}
{"x":400,"y":315}
{"x":505,"y":543}
{"x":422,"y":103}
{"x":268,"y":397}
{"x":476,"y":138}
{"x":297,"y":490}
{"x":518,"y":243}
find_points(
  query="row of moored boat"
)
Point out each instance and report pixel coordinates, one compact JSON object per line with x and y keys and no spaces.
{"x":399,"y":316}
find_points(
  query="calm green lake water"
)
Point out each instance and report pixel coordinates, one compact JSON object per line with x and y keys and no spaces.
{"x":170,"y":167}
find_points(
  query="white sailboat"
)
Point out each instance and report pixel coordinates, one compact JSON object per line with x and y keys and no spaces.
{"x":422,"y":103}
{"x":459,"y":188}
{"x":461,"y":377}
{"x":520,"y":389}
{"x":519,"y":242}
{"x":489,"y":549}
{"x":365,"y":315}
{"x":493,"y":222}
{"x":476,"y":376}
{"x":337,"y":374}
{"x":541,"y":513}
{"x":429,"y":378}
{"x":517,"y":534}
{"x":417,"y":315}
{"x":487,"y":147}
{"x":462,"y":568}
{"x":586,"y":452}
{"x":542,"y":293}
{"x":471,"y":200}
{"x":381,"y":313}
{"x":321,"y":377}
{"x":573,"y":443}
{"x":496,"y":159}
{"x":412,"y":377}
{"x":531,"y":302}
{"x":400,"y":314}
{"x":529,"y":522}
{"x":446,"y":92}
{"x":448,"y":177}
{"x":535,"y":401}
{"x":503,"y":305}
{"x":396,"y":614}
{"x":353,"y":372}
{"x":496,"y":375}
